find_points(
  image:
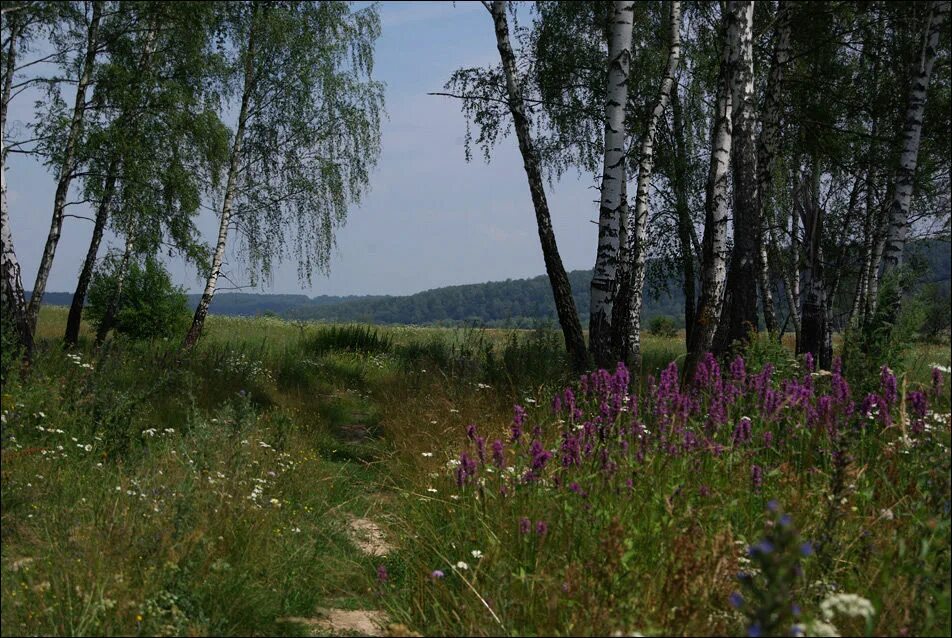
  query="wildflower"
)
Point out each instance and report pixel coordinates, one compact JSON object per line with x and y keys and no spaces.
{"x":524,"y":525}
{"x":756,"y":477}
{"x":462,"y":566}
{"x":499,"y":457}
{"x":437,"y":574}
{"x":542,"y":528}
{"x":382,"y":575}
{"x":736,"y":600}
{"x":476,"y":554}
{"x":888,"y":382}
{"x":848,"y":605}
{"x":426,"y":454}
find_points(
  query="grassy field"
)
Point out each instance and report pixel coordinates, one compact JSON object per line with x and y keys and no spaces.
{"x":145,"y":493}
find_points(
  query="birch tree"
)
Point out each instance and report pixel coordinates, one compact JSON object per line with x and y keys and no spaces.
{"x":739,"y":313}
{"x":911,"y":136}
{"x":768,"y":144}
{"x":160,"y":144}
{"x":612,"y":209}
{"x":632,"y":275}
{"x":14,"y":304}
{"x":306,"y":137}
{"x":714,"y":246}
{"x":65,"y":157}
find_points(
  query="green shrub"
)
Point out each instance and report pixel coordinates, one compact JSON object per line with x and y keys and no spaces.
{"x":886,"y":337}
{"x":150,"y":305}
{"x":355,"y":338}
{"x":662,"y":326}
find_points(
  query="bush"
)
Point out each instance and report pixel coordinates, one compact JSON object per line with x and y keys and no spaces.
{"x":150,"y":305}
{"x":662,"y":326}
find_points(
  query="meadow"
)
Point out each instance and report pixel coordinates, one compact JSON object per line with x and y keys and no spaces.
{"x":146,"y":492}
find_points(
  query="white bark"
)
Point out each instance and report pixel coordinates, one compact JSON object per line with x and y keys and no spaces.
{"x":231,"y":187}
{"x":767,"y":146}
{"x":11,"y":283}
{"x":639,"y":222}
{"x":912,"y":132}
{"x":66,"y":168}
{"x":605,"y":275}
{"x":715,"y":250}
{"x":739,"y":310}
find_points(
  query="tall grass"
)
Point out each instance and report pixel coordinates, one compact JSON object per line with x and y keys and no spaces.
{"x":149,"y":493}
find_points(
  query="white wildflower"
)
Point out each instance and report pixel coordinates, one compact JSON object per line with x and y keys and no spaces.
{"x":462,"y":565}
{"x":848,"y":605}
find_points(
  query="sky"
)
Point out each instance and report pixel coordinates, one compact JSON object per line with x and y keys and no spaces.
{"x":431,"y":219}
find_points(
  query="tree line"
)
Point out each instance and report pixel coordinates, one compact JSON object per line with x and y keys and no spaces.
{"x":266,"y":113}
{"x":772,"y":148}
{"x":777,"y":156}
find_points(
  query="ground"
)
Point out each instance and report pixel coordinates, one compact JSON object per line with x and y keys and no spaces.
{"x":287,"y":478}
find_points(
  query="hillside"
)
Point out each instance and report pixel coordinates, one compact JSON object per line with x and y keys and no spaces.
{"x":513,"y":302}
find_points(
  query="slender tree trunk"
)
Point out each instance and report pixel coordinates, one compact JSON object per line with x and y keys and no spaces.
{"x":683,"y":209}
{"x":11,"y":286}
{"x":14,"y":303}
{"x":112,"y":308}
{"x":231,"y":187}
{"x":767,"y":146}
{"x":561,"y":288}
{"x":739,"y":314}
{"x":74,"y":319}
{"x":870,"y":223}
{"x":911,"y":135}
{"x":628,"y":317}
{"x":605,"y":274}
{"x":67,"y":168}
{"x":124,"y":120}
{"x":714,"y":249}
{"x":813,"y":313}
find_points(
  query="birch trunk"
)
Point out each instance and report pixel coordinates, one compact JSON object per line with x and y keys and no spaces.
{"x":714,"y":247}
{"x":767,"y":145}
{"x":105,"y":207}
{"x":14,"y":303}
{"x":11,"y":286}
{"x":112,"y":308}
{"x":912,"y":132}
{"x":813,"y":313}
{"x":74,"y":319}
{"x":561,"y":289}
{"x":739,"y":314}
{"x":685,"y":223}
{"x":633,"y":275}
{"x":67,"y":168}
{"x":605,"y":275}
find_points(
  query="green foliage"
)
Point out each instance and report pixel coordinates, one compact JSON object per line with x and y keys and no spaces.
{"x":10,"y":348}
{"x":887,"y":336}
{"x":150,"y":305}
{"x":662,"y":326}
{"x":937,"y":311}
{"x":349,"y":338}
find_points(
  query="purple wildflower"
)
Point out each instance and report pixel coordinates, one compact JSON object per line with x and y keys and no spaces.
{"x":741,"y":431}
{"x":471,"y":431}
{"x":524,"y":525}
{"x":888,"y":382}
{"x":499,"y":454}
{"x":542,"y":528}
{"x":756,"y":477}
{"x":936,"y":382}
{"x":382,"y":575}
{"x":437,"y":574}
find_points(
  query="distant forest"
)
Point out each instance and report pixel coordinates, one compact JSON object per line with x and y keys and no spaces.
{"x":510,"y":303}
